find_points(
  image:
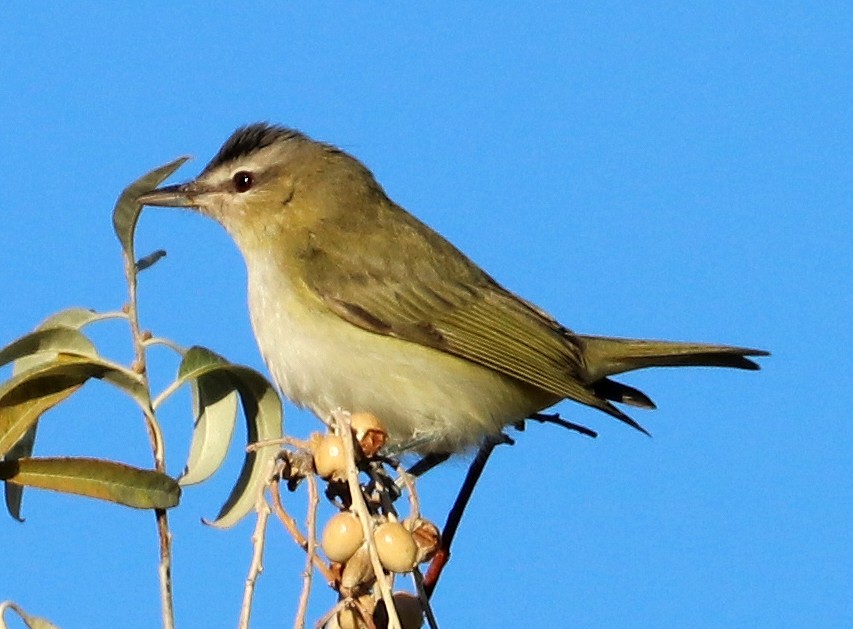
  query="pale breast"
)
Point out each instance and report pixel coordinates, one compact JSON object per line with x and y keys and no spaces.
{"x":425,"y":398}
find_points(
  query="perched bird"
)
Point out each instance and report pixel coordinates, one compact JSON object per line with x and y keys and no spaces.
{"x":356,"y":304}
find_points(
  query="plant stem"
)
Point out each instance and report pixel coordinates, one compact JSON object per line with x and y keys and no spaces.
{"x":258,"y":538}
{"x":157,"y":447}
{"x":311,"y":550}
{"x":359,"y":507}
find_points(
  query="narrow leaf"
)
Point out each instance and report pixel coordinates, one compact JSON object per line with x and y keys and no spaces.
{"x":262,"y":410}
{"x":95,"y":478}
{"x":48,"y":345}
{"x":76,"y":318}
{"x":214,"y":400}
{"x":30,"y":621}
{"x":29,"y":411}
{"x":13,"y":494}
{"x":127,"y":208}
{"x":27,"y":395}
{"x":51,"y":340}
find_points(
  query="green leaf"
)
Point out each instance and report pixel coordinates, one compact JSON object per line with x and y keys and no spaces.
{"x":26,"y":412}
{"x":31,"y":622}
{"x":127,"y":208}
{"x":40,"y":347}
{"x":13,"y":494}
{"x":95,"y":478}
{"x":27,"y":395}
{"x":214,"y":400}
{"x":56,"y":334}
{"x":77,"y":318}
{"x":262,"y":410}
{"x":49,"y":341}
{"x":264,"y":419}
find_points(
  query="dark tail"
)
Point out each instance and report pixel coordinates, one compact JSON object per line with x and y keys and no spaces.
{"x":607,"y":356}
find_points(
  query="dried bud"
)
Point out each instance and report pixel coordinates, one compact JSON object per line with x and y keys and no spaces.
{"x":369,"y":433}
{"x":427,"y":538}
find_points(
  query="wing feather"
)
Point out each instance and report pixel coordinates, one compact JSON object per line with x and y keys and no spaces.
{"x":428,"y":292}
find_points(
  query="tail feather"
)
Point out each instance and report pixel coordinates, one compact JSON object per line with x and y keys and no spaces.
{"x":622,"y":393}
{"x":607,"y":356}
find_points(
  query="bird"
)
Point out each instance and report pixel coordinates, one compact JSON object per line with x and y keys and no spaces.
{"x":358,"y":305}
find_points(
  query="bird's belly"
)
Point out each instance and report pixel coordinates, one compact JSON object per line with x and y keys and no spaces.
{"x":427,"y":400}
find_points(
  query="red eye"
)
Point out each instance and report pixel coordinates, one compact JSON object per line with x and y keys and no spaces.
{"x":243,"y":180}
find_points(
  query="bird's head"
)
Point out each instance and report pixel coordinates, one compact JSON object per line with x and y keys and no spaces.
{"x":267,"y":180}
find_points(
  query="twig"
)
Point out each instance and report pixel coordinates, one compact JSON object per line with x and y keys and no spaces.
{"x":156,"y":340}
{"x":455,"y":516}
{"x":257,"y":566}
{"x":164,"y":568}
{"x":423,"y":597}
{"x":280,"y":441}
{"x":311,"y":524}
{"x":321,"y":623}
{"x":365,"y":614}
{"x":290,"y":524}
{"x":406,"y":479}
{"x":287,"y":520}
{"x":164,"y":395}
{"x":382,"y":486}
{"x":360,"y":508}
{"x":155,"y":436}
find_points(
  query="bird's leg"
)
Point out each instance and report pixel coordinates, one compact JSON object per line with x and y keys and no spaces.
{"x":427,"y":462}
{"x":442,"y":556}
{"x":554,"y":418}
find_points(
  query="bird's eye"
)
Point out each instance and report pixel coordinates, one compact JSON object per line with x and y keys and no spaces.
{"x":243,"y":181}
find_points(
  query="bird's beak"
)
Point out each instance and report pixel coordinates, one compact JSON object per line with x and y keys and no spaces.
{"x":181,"y":195}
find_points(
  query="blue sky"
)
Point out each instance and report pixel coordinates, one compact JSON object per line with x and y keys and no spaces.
{"x":668,"y":170}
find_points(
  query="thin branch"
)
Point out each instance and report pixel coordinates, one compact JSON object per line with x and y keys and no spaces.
{"x":455,"y":516}
{"x":423,"y":597}
{"x":156,"y":340}
{"x":321,"y":623}
{"x":311,"y":550}
{"x":293,"y":528}
{"x":164,"y":568}
{"x":155,"y":436}
{"x":406,"y":479}
{"x":257,"y":566}
{"x":360,"y":508}
{"x":166,"y":393}
{"x":299,"y":444}
{"x":365,"y":614}
{"x":287,"y":520}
